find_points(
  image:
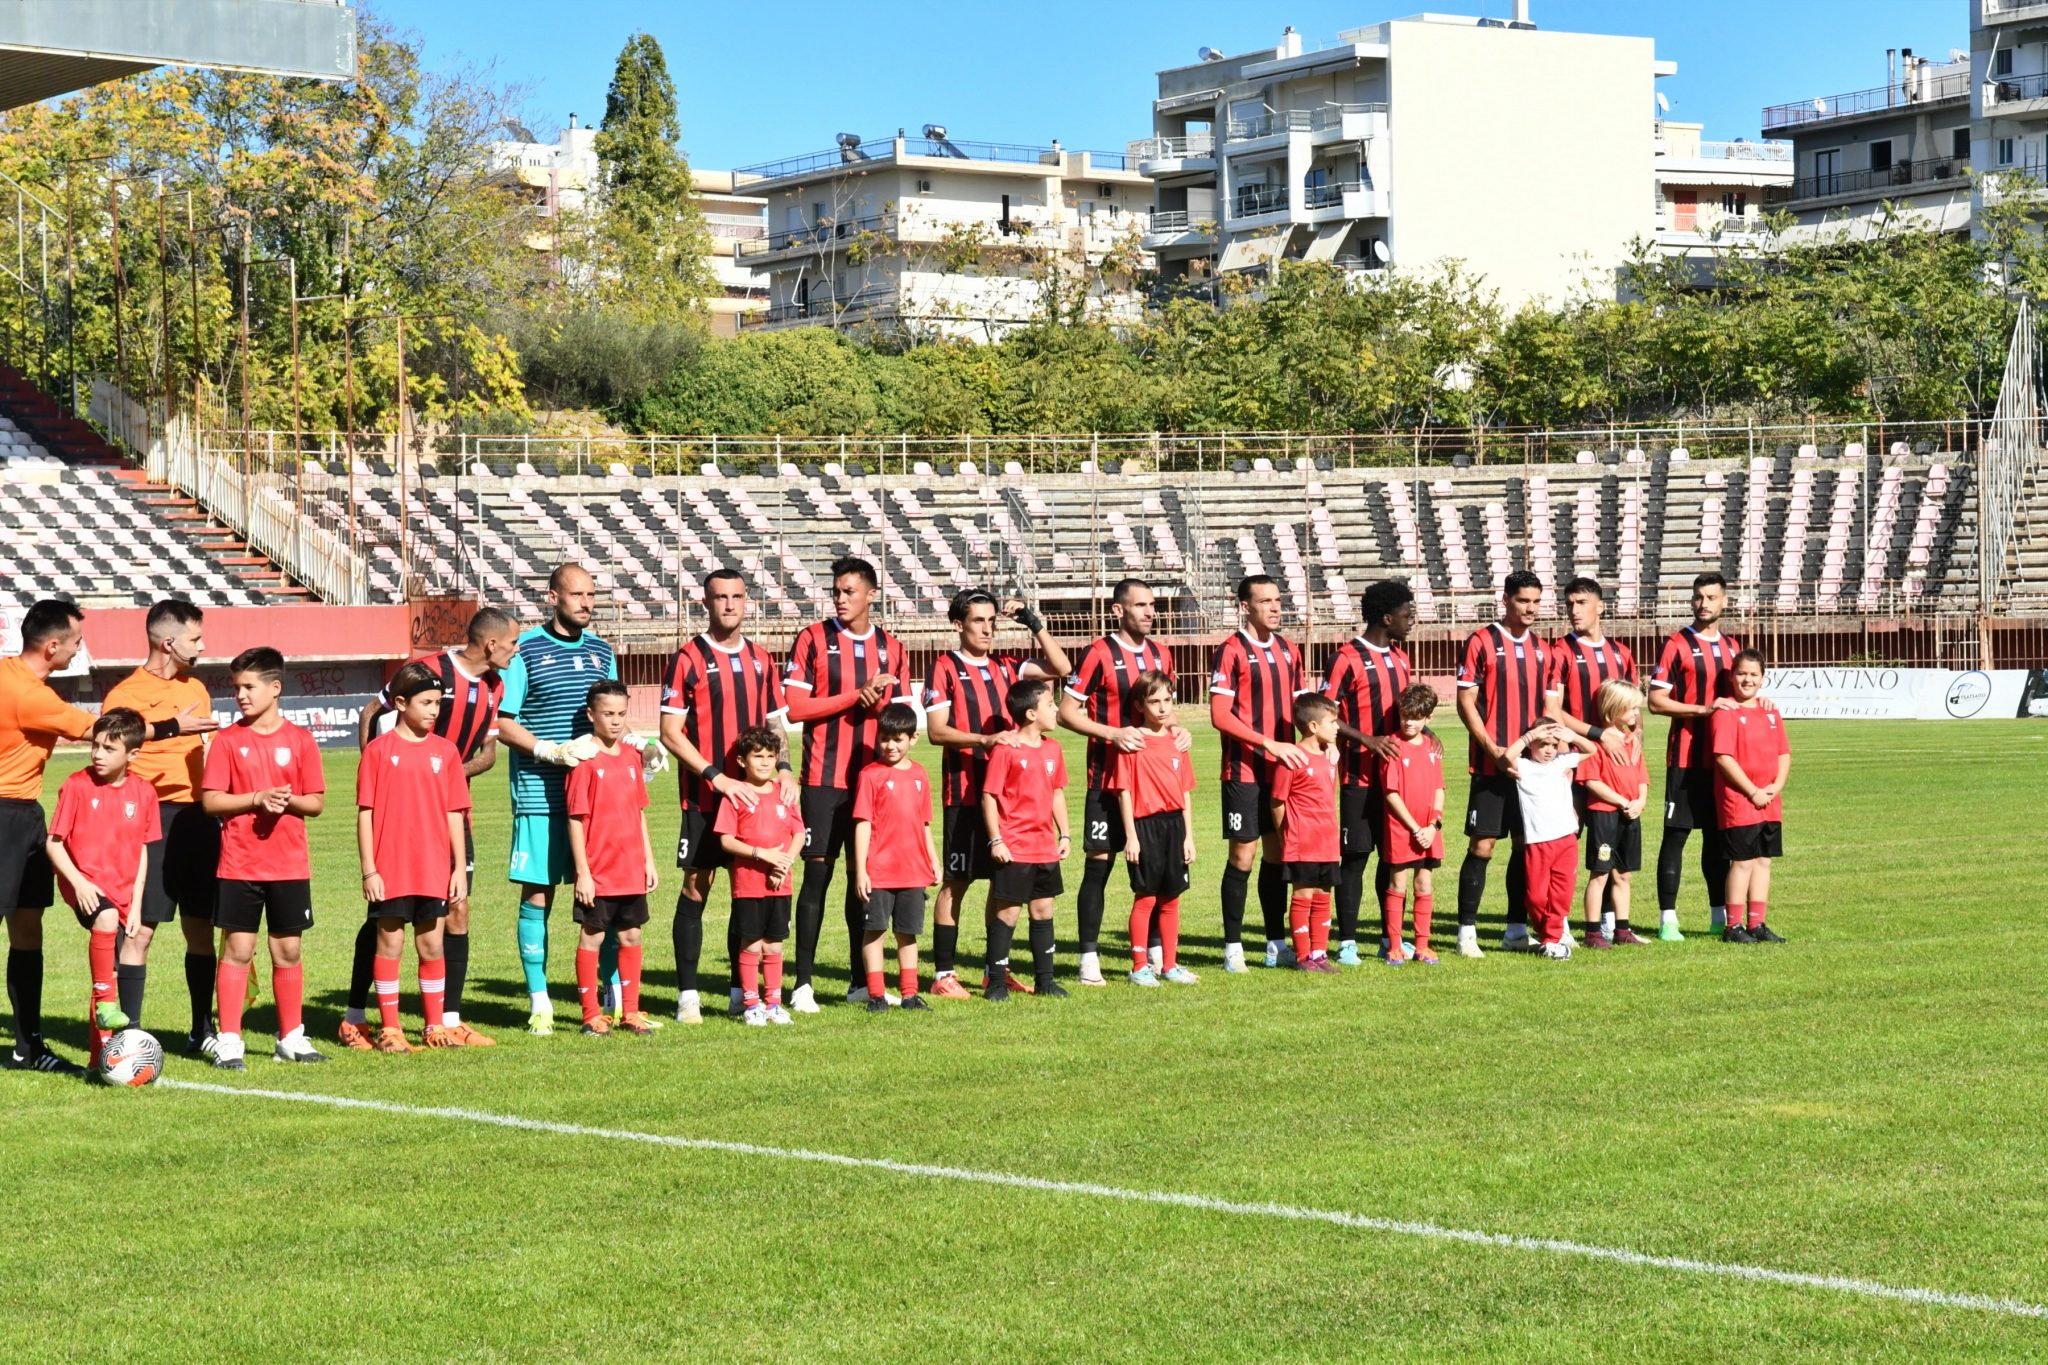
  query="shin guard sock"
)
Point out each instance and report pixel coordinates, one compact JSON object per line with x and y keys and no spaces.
{"x":771,"y":973}
{"x":945,"y":943}
{"x":1670,"y":866}
{"x":1297,"y":924}
{"x":360,"y":972}
{"x":630,"y":958}
{"x":25,"y":993}
{"x":200,"y":969}
{"x":434,"y":993}
{"x":750,"y":977}
{"x":998,"y":952}
{"x":586,"y":984}
{"x":1714,"y":868}
{"x":533,"y":946}
{"x":856,"y":912}
{"x":732,"y":951}
{"x":1471,"y":889}
{"x":1382,"y":880}
{"x":1518,"y":886}
{"x":1273,"y":900}
{"x":1166,"y":928}
{"x":1757,"y":910}
{"x":688,"y":935}
{"x":1423,"y":905}
{"x":288,"y":984}
{"x":906,"y":982}
{"x":455,"y":961}
{"x":1392,"y":906}
{"x":1350,"y":895}
{"x":99,"y":955}
{"x":1319,"y":924}
{"x":231,"y":987}
{"x":1088,"y":905}
{"x":810,"y":917}
{"x":1041,"y":952}
{"x":608,"y":959}
{"x":878,"y":982}
{"x":1141,"y":928}
{"x":384,"y":971}
{"x":129,"y":979}
{"x":1236,"y":882}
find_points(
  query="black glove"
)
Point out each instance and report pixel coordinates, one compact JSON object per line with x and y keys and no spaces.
{"x":1030,"y":620}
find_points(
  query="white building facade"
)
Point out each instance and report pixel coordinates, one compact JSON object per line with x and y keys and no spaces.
{"x":1712,"y":195}
{"x":2009,"y":96}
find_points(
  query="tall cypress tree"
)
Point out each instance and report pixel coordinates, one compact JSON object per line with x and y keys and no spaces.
{"x":654,"y":248}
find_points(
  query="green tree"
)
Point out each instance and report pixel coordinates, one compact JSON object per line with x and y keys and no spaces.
{"x":650,"y":240}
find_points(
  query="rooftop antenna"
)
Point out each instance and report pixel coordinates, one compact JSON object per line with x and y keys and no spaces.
{"x":1209,"y":54}
{"x":1663,"y":103}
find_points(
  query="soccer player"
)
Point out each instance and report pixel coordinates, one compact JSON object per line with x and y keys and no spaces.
{"x":764,"y":838}
{"x":612,"y":858}
{"x":720,"y":684}
{"x":1689,"y":686}
{"x":1026,"y":818}
{"x":1366,"y":678}
{"x":471,"y":688}
{"x":1500,"y":697}
{"x":1752,"y":760}
{"x":1581,"y":661}
{"x":1251,"y":703}
{"x":106,"y":818}
{"x":1098,"y":703}
{"x":1153,"y":784}
{"x":32,"y":719}
{"x":967,"y":715}
{"x":412,"y":810}
{"x":1543,"y":762}
{"x":263,"y":780}
{"x":179,"y":719}
{"x":1411,"y":787}
{"x":1305,"y":813}
{"x":893,"y":857}
{"x":1615,"y":789}
{"x":842,"y":672}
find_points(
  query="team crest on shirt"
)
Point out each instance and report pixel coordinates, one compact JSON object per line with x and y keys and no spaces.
{"x":128,"y":810}
{"x":283,"y":754}
{"x":394,"y":760}
{"x":434,"y":760}
{"x":577,"y":663}
{"x":94,"y":803}
{"x":890,"y":784}
{"x":1048,"y":767}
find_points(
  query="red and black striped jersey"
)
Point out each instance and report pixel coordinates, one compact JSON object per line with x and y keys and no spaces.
{"x":469,"y":706}
{"x":1508,"y":673}
{"x":1102,"y":684}
{"x":827,"y":661}
{"x":718,"y":692}
{"x":973,"y":692}
{"x":1366,"y":682}
{"x":1692,"y":667}
{"x":1577,"y":668}
{"x":1260,"y":677}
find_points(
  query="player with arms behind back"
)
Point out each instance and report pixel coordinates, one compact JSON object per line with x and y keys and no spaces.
{"x":1752,"y":760}
{"x":1153,"y":785}
{"x":763,"y":839}
{"x":1024,"y":810}
{"x":894,"y":861}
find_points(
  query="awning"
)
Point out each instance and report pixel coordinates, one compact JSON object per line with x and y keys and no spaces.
{"x":1192,"y":99}
{"x":1749,"y":174}
{"x":1329,"y":237}
{"x":1240,"y":253}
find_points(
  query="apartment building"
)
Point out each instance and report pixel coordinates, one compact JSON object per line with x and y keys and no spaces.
{"x":1906,"y":143}
{"x":1525,"y":154}
{"x":1710,"y":194}
{"x":2009,"y":94}
{"x":733,"y":221}
{"x":931,"y":236}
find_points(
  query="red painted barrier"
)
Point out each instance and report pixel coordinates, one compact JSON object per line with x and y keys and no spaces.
{"x":302,"y":633}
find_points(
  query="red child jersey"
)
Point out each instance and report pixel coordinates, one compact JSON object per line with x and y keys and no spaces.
{"x":1627,"y":774}
{"x":772,"y":823}
{"x":1415,"y":774}
{"x":410,"y":787}
{"x":1310,"y":798}
{"x":1026,"y":784}
{"x":1755,"y":737}
{"x":257,"y":846}
{"x":103,"y":827}
{"x":897,"y":804}
{"x":607,"y":793}
{"x":1158,"y":776}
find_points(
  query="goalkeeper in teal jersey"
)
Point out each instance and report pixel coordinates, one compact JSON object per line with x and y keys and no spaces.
{"x":543,"y":723}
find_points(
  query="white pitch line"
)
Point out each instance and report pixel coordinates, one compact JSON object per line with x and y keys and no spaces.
{"x":1841,"y":1284}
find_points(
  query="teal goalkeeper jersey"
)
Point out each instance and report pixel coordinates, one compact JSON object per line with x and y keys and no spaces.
{"x":546,"y":685}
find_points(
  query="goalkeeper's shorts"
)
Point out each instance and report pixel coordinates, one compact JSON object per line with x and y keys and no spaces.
{"x":540,"y":850}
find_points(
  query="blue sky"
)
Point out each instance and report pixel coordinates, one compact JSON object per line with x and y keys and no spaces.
{"x":763,"y":80}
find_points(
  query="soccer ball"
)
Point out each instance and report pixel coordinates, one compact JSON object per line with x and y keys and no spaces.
{"x":131,"y":1057}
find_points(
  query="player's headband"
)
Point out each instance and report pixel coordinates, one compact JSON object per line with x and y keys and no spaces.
{"x":409,"y":688}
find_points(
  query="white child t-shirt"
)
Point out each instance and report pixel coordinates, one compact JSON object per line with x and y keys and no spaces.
{"x":1546,"y":795}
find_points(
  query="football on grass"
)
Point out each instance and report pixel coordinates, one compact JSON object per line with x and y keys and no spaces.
{"x":131,"y":1057}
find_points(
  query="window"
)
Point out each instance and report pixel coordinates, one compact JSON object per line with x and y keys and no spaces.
{"x":1825,"y":165}
{"x":1960,"y":149}
{"x":2005,"y":151}
{"x":2001,"y":62}
{"x":1735,"y":203}
{"x":1881,"y":155}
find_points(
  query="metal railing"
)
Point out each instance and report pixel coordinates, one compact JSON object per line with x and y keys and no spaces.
{"x":738,"y":232}
{"x":1999,"y":9}
{"x":1899,"y":175}
{"x":1900,"y":95}
{"x":811,"y":161}
{"x":1332,"y":115}
{"x":1176,"y":220}
{"x":816,"y":234}
{"x":1252,"y":200}
{"x":2015,"y":89}
{"x":821,"y":309}
{"x":1187,"y":147}
{"x":1267,"y":124}
{"x":1330,"y":193}
{"x":1745,"y":151}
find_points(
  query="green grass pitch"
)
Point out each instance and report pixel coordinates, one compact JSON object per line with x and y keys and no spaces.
{"x":1865,"y":1102}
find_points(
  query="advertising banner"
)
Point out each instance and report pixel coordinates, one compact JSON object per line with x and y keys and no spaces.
{"x":1859,"y":693}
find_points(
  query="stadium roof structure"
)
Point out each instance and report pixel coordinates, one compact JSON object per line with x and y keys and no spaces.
{"x":52,"y":47}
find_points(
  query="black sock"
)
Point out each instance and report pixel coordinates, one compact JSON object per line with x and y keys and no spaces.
{"x":1518,"y":886}
{"x":25,"y":993}
{"x":688,"y":934}
{"x":1670,"y":866}
{"x":1088,"y":905}
{"x":1273,"y":899}
{"x":1713,"y":866}
{"x":128,"y":983}
{"x":998,"y":954}
{"x":455,"y":957}
{"x":732,"y":949}
{"x":1236,"y":882}
{"x":1350,"y":893}
{"x":810,"y":916}
{"x":945,"y":942}
{"x":199,"y":971}
{"x":359,"y":975}
{"x":1471,"y":889}
{"x":856,"y":930}
{"x":1041,"y":951}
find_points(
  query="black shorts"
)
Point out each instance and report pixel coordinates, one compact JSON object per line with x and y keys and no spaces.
{"x":27,"y":881}
{"x":1102,"y":823}
{"x":900,"y":908}
{"x":762,"y":917}
{"x":1018,"y":883}
{"x":963,"y":847}
{"x":611,"y":912}
{"x":1419,"y":862}
{"x":697,"y":847}
{"x":1689,"y":799}
{"x":180,"y":880}
{"x":1359,"y":813}
{"x":419,"y":911}
{"x":1312,"y":874}
{"x":245,"y":907}
{"x":1741,"y":843}
{"x":1493,"y":808}
{"x":468,"y":849}
{"x":828,"y":820}
{"x":1614,"y":843}
{"x":1162,"y":866}
{"x":1247,"y":811}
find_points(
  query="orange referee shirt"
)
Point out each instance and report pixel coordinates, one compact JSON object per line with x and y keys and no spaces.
{"x":172,"y":766}
{"x":32,"y":719}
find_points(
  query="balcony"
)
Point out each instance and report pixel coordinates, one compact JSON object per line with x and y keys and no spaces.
{"x":1253,"y":201}
{"x":1330,"y":194}
{"x":1176,"y":228}
{"x":1347,"y":122}
{"x":1901,"y":175}
{"x":1929,"y":90}
{"x":2022,"y":180}
{"x":865,"y":303}
{"x":1270,"y":124}
{"x":1157,"y":156}
{"x":2014,"y":11}
{"x":1774,"y":152}
{"x":2012,"y":94}
{"x":814,"y":236}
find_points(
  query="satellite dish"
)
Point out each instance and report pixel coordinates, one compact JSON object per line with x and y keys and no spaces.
{"x":1663,"y":103}
{"x":1378,"y":249}
{"x":1209,"y":54}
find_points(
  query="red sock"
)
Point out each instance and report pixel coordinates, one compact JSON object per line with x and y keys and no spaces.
{"x":1168,"y":925}
{"x":100,"y":956}
{"x":586,"y":983}
{"x":1319,"y":925}
{"x":906,"y":982}
{"x":231,"y":991}
{"x":1423,"y":903}
{"x":1756,"y":913}
{"x":433,"y":992}
{"x":771,"y":968}
{"x":1391,"y":907}
{"x":876,"y":978}
{"x":288,"y":984}
{"x":750,"y":977}
{"x":384,"y":975}
{"x":629,"y":978}
{"x":1298,"y":921}
{"x":1142,"y":910}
